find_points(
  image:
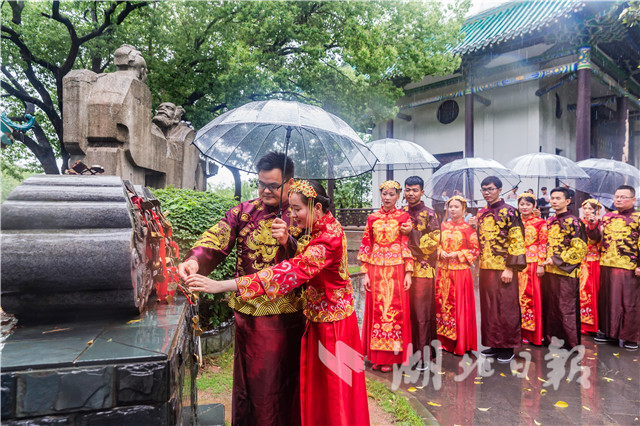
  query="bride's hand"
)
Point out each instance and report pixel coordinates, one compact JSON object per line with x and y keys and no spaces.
{"x":199,"y":282}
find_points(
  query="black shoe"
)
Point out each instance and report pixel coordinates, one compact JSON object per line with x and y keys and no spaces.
{"x":490,"y":352}
{"x":630,"y":345}
{"x":602,"y":338}
{"x":505,"y":356}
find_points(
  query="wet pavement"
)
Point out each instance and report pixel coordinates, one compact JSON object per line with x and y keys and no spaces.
{"x":475,"y":391}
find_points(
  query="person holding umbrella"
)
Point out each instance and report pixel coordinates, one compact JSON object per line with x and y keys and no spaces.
{"x":387,"y":264}
{"x":268,"y":332}
{"x":619,"y":292}
{"x":332,"y":385}
{"x":560,"y":286}
{"x":424,"y":237}
{"x":502,"y":256}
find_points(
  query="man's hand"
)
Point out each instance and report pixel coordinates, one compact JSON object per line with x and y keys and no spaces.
{"x":637,"y":272}
{"x":547,"y":262}
{"x":280,"y":231}
{"x":406,"y":228}
{"x":187,"y":268}
{"x":473,"y":220}
{"x":507,"y":275}
{"x":198,"y":282}
{"x":537,"y":213}
{"x":407,"y":280}
{"x":366,"y":283}
{"x":540,"y":271}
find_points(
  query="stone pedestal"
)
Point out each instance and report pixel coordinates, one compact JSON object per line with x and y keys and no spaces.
{"x":134,"y":370}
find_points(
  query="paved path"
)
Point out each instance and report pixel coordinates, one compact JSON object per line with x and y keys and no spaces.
{"x":613,"y":395}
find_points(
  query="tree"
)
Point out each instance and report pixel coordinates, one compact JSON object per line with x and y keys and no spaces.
{"x":351,"y":58}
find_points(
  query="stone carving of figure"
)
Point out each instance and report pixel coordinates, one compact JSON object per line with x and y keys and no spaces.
{"x":107,"y":121}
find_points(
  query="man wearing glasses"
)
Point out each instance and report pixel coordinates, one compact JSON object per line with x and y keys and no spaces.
{"x":502,"y":256}
{"x":266,"y":369}
{"x":619,"y":291}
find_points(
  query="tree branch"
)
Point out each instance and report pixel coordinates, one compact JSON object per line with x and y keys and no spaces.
{"x":25,"y":51}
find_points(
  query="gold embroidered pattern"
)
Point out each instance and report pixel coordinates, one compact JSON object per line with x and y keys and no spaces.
{"x":217,"y":237}
{"x":489,"y":231}
{"x":263,"y":247}
{"x":615,"y":232}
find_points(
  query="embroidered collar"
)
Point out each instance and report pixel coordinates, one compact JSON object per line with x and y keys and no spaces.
{"x":417,"y":207}
{"x":497,"y":204}
{"x":323,"y":222}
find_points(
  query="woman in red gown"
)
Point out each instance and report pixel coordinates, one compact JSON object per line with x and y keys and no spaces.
{"x":455,"y":300}
{"x":332,"y":383}
{"x":590,"y":272}
{"x":535,"y":241}
{"x":387,"y":263}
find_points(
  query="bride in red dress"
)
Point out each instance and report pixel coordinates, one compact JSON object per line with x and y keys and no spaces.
{"x":535,"y":241}
{"x":332,"y":383}
{"x":590,"y":272}
{"x":387,"y":263}
{"x":455,"y":300}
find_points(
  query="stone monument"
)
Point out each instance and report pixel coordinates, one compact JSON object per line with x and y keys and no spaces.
{"x":107,"y":121}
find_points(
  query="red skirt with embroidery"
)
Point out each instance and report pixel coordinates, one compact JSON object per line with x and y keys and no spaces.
{"x":531,"y":304}
{"x":454,"y":292}
{"x":387,"y":319}
{"x":589,"y":284}
{"x":332,"y":383}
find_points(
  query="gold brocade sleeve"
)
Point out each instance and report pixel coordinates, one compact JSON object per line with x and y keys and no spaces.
{"x":429,"y":242}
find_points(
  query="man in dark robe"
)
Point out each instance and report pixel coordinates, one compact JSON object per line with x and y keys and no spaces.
{"x":266,"y":369}
{"x":560,"y":285}
{"x":619,"y":291}
{"x":502,"y":256}
{"x":424,"y":237}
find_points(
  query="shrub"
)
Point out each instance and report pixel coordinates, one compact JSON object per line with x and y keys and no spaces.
{"x":191,"y":213}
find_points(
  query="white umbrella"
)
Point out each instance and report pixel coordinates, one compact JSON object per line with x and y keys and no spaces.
{"x":402,"y":155}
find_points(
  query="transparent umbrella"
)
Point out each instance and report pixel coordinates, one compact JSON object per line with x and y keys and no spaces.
{"x":463,"y":177}
{"x":604,"y":177}
{"x":321,"y":145}
{"x":398,"y":154}
{"x":542,"y":165}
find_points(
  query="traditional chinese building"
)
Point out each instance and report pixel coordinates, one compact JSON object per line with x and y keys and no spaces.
{"x":552,"y":76}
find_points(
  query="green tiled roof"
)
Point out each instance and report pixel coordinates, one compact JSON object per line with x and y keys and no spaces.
{"x":513,"y":19}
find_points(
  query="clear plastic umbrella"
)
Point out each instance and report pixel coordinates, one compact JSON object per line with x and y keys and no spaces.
{"x":604,"y":177}
{"x":402,"y":155}
{"x":463,"y":177}
{"x":321,"y":145}
{"x":545,"y":165}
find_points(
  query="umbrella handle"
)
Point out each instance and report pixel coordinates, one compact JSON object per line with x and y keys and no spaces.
{"x":284,"y":168}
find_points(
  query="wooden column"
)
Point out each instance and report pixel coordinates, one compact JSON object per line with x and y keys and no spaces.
{"x":583,"y":106}
{"x":468,"y":122}
{"x":622,"y":129}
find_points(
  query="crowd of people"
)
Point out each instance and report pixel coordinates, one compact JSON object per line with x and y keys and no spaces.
{"x":538,"y":279}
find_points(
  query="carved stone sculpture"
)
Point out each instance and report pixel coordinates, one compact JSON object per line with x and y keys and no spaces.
{"x":107,"y":121}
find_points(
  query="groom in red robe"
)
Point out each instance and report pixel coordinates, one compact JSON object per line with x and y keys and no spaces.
{"x":266,"y":368}
{"x":424,"y":237}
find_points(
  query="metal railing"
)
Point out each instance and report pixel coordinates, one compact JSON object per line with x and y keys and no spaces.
{"x":353,"y":217}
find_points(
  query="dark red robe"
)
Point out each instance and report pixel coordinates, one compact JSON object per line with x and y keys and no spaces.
{"x":266,"y":374}
{"x":501,"y":238}
{"x":567,"y":247}
{"x":619,"y":292}
{"x":423,"y":243}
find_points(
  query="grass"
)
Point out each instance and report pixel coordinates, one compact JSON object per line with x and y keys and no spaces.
{"x":393,"y":403}
{"x":216,"y":378}
{"x":354,"y":269}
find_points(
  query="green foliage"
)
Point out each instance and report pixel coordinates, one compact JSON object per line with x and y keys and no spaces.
{"x":351,"y":58}
{"x":630,"y":16}
{"x":12,"y":176}
{"x":353,"y":193}
{"x":393,"y":403}
{"x":249,"y":190}
{"x":191,"y":213}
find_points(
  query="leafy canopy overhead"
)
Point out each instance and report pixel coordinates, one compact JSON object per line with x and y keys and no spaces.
{"x":351,"y":58}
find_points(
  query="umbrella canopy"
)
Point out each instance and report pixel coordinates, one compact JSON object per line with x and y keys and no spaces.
{"x":402,"y":155}
{"x":321,"y":145}
{"x":605,"y":176}
{"x":463,"y":177}
{"x":545,"y":165}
